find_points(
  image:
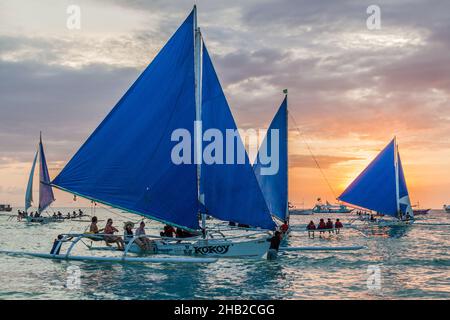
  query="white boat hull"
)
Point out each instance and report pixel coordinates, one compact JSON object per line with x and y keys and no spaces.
{"x":217,"y":248}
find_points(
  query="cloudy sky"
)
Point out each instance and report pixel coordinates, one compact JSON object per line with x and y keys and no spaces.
{"x":351,"y":89}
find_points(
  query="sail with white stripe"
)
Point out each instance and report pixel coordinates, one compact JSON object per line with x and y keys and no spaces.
{"x":381,"y":187}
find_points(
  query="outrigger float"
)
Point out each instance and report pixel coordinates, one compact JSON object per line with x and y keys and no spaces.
{"x":74,"y":239}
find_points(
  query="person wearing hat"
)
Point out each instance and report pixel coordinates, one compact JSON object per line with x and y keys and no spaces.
{"x":128,"y":231}
{"x":128,"y":235}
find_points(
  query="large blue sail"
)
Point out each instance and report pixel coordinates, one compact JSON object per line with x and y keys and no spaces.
{"x":404,"y":201}
{"x":374,"y":188}
{"x":274,"y":185}
{"x":46,"y":196}
{"x":231,"y":191}
{"x":126,"y":162}
{"x":29,"y":192}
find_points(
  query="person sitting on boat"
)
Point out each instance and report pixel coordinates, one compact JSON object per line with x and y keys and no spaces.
{"x":80,"y":213}
{"x":284,"y":228}
{"x":128,"y":234}
{"x":68,"y":215}
{"x":140,"y":232}
{"x":407,"y":217}
{"x":329,"y":225}
{"x":59,"y":215}
{"x":54,"y":215}
{"x":274,"y":245}
{"x":110,"y":237}
{"x":168,"y":232}
{"x":93,"y":229}
{"x":372,"y":218}
{"x":19,"y":215}
{"x":311,"y":227}
{"x":338,"y":225}
{"x":74,"y":214}
{"x":322,"y":226}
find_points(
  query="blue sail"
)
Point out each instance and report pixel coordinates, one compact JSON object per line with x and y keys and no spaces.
{"x":29,"y":192}
{"x":274,"y":186}
{"x":126,"y":162}
{"x":231,"y":191}
{"x":374,"y":188}
{"x":46,"y":196}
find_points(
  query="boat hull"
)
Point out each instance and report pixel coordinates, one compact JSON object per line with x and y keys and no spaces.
{"x":217,"y":248}
{"x":123,"y":259}
{"x":420,"y":212}
{"x":42,"y":220}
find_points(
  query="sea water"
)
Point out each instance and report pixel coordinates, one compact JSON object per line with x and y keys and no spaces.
{"x":399,"y":263}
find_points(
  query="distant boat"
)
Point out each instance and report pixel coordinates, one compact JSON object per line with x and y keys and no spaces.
{"x":381,"y":187}
{"x":447,"y":208}
{"x":5,"y":208}
{"x":300,"y":212}
{"x":330,"y":208}
{"x":46,"y":196}
{"x":420,"y":212}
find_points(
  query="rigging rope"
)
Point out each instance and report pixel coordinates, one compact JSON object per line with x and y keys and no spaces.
{"x":312,"y":155}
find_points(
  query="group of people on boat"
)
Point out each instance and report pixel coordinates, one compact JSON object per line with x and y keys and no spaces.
{"x":74,"y":214}
{"x":324,"y":226}
{"x":170,"y":232}
{"x":56,"y":215}
{"x":107,"y":234}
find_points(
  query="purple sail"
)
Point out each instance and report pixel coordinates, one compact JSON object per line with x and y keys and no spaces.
{"x":45,"y":190}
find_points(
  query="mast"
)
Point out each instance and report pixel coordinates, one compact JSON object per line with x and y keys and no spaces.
{"x":397,"y":189}
{"x":285,"y":91}
{"x":198,"y":113}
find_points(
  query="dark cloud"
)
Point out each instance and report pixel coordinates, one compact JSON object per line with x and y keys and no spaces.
{"x":341,"y":84}
{"x":65,"y":104}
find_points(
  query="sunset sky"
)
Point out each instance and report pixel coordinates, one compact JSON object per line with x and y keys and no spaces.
{"x":351,"y":89}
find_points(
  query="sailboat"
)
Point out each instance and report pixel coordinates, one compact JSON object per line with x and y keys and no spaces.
{"x":127,"y":162}
{"x":381,"y":187}
{"x":274,"y":185}
{"x":46,"y":196}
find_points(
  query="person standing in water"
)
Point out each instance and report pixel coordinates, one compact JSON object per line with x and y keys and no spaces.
{"x":275,"y":241}
{"x":338,"y":226}
{"x":311,"y":227}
